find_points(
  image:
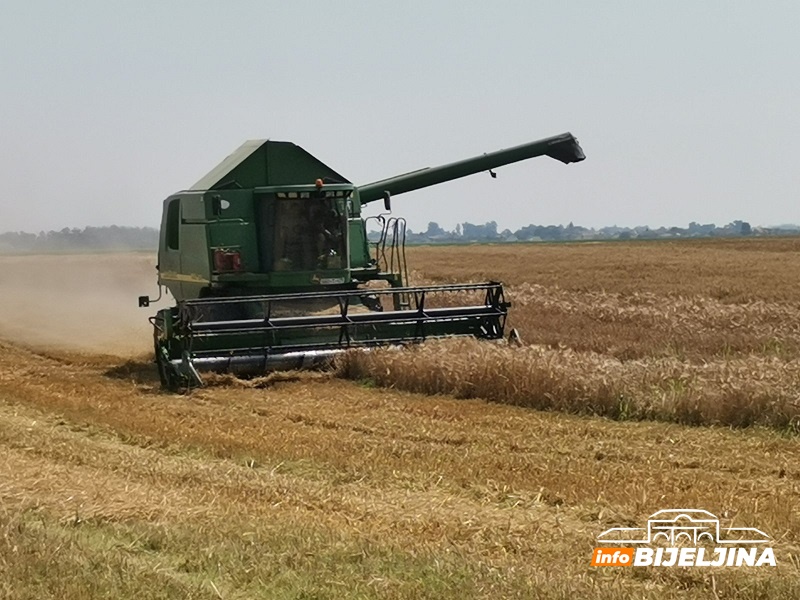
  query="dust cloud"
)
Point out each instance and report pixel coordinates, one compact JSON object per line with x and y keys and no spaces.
{"x":85,"y":302}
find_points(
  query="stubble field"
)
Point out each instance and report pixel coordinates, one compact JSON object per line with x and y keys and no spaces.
{"x":651,"y":376}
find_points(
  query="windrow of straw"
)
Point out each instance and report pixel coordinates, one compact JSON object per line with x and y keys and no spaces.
{"x":738,"y":392}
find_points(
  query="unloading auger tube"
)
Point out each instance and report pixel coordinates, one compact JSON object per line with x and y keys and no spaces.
{"x":241,"y":335}
{"x":563,"y":147}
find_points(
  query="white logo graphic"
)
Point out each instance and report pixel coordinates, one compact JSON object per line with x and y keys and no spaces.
{"x":683,"y":537}
{"x":683,"y":525}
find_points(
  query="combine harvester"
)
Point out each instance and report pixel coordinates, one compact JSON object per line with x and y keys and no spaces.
{"x":268,"y":259}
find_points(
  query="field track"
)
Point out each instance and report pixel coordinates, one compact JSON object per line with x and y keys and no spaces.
{"x":308,"y":485}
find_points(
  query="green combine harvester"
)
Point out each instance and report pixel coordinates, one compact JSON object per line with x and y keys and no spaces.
{"x":268,"y":259}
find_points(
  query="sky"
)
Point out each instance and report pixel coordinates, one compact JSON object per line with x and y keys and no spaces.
{"x":686,"y":110}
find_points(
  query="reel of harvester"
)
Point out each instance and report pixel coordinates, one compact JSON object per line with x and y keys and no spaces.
{"x":253,"y":335}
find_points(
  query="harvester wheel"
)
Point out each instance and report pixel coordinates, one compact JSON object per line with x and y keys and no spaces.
{"x":169,"y":379}
{"x":162,"y":368}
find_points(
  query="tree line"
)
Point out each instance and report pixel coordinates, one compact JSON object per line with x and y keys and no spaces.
{"x":488,"y":232}
{"x":116,"y":238}
{"x":113,"y":238}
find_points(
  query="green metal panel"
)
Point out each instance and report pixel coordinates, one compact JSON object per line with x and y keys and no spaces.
{"x":193,"y":207}
{"x":304,"y":280}
{"x":359,"y":250}
{"x":288,"y":164}
{"x":228,"y":217}
{"x":233,"y":160}
{"x":236,"y":235}
{"x":239,"y":205}
{"x":194,"y":251}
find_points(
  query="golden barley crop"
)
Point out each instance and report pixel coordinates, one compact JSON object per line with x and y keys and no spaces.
{"x":628,"y":331}
{"x":739,"y":391}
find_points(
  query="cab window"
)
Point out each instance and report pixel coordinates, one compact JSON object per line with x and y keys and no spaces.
{"x":173,"y":223}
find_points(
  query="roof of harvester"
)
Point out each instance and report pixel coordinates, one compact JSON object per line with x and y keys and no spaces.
{"x":258,"y":163}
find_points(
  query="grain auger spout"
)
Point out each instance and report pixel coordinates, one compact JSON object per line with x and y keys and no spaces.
{"x":268,"y":259}
{"x":562,"y":147}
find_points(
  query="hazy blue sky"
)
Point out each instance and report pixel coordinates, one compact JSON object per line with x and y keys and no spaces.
{"x":686,"y":110}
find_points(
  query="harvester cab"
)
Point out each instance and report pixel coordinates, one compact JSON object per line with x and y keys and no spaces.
{"x":269,"y":261}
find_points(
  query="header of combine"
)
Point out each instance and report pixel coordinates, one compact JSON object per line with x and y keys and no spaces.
{"x":271,"y":226}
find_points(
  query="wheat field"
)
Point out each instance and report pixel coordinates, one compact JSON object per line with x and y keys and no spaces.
{"x":651,"y":375}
